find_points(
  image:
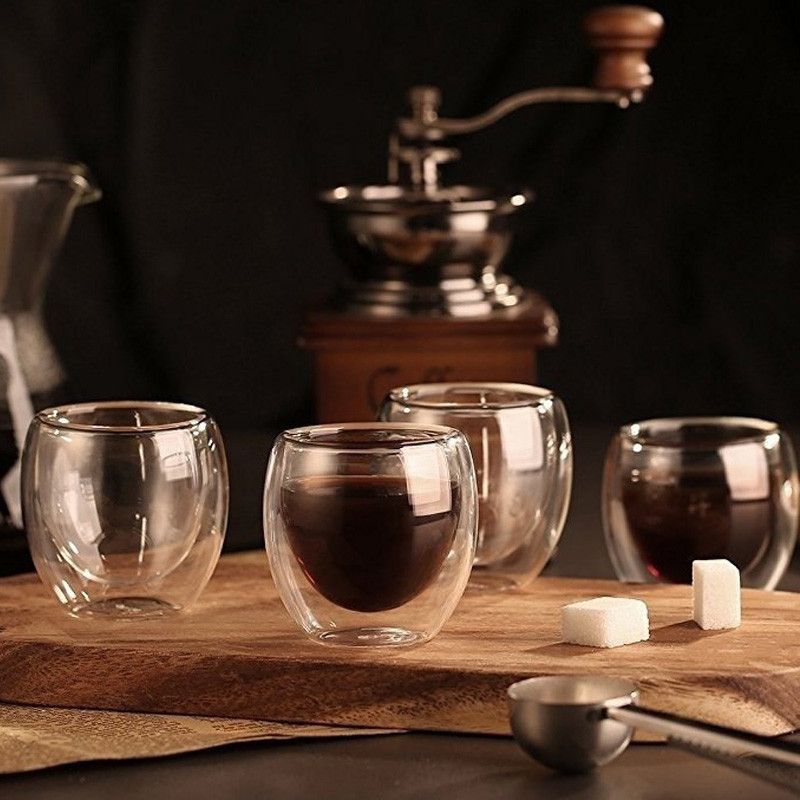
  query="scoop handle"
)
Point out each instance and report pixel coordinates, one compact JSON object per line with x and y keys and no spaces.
{"x":774,"y":760}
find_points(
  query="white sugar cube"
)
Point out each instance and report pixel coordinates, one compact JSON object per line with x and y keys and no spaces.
{"x":605,"y":622}
{"x":717,"y":593}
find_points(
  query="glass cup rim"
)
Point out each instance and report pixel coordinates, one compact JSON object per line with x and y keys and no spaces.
{"x":760,"y":429}
{"x":530,"y":396}
{"x":322,"y":435}
{"x":57,"y":416}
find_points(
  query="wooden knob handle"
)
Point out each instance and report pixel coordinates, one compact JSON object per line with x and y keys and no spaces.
{"x":622,"y":36}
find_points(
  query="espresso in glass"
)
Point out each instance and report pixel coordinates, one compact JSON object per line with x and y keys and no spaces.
{"x":361,"y":542}
{"x":371,"y":529}
{"x":680,"y":490}
{"x":696,"y":517}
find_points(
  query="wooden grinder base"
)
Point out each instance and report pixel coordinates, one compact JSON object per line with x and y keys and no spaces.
{"x":357,"y":359}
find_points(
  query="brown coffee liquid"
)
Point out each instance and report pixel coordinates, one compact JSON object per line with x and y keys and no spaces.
{"x":674,"y":524}
{"x":359,"y":541}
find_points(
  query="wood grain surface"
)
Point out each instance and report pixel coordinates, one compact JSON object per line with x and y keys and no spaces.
{"x":238,"y":654}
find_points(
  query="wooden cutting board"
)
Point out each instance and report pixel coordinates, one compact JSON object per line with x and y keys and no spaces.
{"x":239,"y":655}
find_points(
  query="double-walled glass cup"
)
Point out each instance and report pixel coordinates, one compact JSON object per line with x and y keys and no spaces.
{"x":125,"y":505}
{"x":520,"y":442}
{"x":676,"y":490}
{"x":370,"y":529}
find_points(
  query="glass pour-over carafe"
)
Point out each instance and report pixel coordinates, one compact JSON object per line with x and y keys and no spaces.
{"x":37,"y":200}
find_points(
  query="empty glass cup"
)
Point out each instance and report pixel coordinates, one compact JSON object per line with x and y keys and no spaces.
{"x":370,"y":529}
{"x":125,"y":505}
{"x":676,"y":490}
{"x":520,"y":442}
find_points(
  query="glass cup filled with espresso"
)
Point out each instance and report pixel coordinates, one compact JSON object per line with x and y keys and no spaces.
{"x":521,"y":447}
{"x":676,"y":490}
{"x":370,"y":529}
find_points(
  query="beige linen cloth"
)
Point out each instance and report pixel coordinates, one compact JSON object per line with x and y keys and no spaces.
{"x":34,"y":737}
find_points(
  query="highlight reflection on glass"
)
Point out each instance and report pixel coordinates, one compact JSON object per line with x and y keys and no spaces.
{"x":125,"y":505}
{"x":520,"y":443}
{"x":676,"y":490}
{"x":370,"y":529}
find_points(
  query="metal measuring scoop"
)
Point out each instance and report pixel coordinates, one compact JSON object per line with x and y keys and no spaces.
{"x":574,"y":723}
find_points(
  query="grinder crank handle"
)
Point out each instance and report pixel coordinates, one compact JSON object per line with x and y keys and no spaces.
{"x":622,"y":37}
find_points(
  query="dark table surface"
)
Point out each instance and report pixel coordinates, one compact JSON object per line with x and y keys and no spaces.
{"x":413,"y":765}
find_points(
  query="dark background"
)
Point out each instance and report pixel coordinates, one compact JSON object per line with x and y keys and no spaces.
{"x":666,"y":237}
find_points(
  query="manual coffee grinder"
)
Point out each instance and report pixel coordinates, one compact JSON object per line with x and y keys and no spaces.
{"x":428,"y":300}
